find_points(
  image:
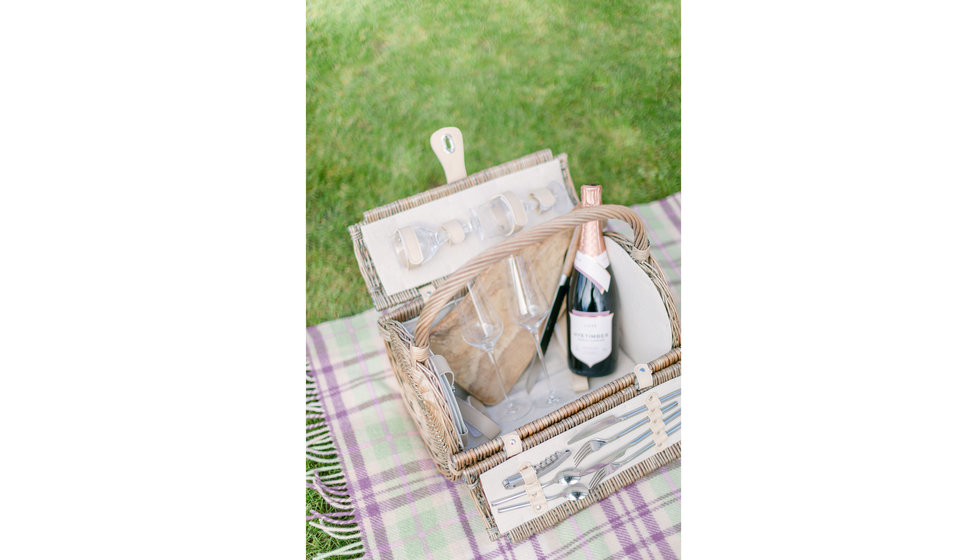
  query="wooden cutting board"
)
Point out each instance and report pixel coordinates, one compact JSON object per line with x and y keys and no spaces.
{"x":515,"y":349}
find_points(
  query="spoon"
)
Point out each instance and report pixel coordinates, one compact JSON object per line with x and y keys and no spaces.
{"x":562,"y":478}
{"x":573,"y":493}
{"x":573,"y":475}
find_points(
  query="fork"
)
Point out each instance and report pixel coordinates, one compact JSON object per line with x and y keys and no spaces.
{"x":604,"y":423}
{"x":596,"y":444}
{"x":572,"y":494}
{"x":614,"y":466}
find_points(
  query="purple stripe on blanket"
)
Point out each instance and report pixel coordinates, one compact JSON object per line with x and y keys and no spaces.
{"x":674,"y":218}
{"x":663,"y":250}
{"x":351,"y":451}
{"x":364,"y":482}
{"x":622,"y":534}
{"x":470,"y":537}
{"x":344,"y":412}
{"x":404,"y":508}
{"x":643,"y":511}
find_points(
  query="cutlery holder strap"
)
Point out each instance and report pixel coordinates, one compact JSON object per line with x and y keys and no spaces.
{"x":533,"y":487}
{"x":656,"y":417}
{"x":459,"y":279}
{"x":654,"y":413}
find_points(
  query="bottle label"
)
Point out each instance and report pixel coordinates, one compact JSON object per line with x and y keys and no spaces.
{"x":591,"y":335}
{"x":594,"y":268}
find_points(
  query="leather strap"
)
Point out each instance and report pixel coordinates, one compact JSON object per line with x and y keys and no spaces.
{"x":477,"y":419}
{"x":455,"y":231}
{"x":512,"y":444}
{"x":447,"y":143}
{"x":410,"y":241}
{"x":656,"y":417}
{"x":426,"y":292}
{"x":533,"y":487}
{"x":644,"y":377}
{"x":516,"y":209}
{"x":546,"y":199}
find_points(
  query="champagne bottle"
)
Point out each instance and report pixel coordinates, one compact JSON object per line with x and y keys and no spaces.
{"x":590,"y":322}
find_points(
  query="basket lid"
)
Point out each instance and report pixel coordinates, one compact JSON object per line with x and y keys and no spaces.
{"x":391,"y":283}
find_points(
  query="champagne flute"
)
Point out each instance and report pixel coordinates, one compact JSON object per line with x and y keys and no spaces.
{"x":481,"y":328}
{"x":529,"y":309}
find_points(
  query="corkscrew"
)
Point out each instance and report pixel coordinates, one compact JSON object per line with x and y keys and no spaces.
{"x":549,"y":464}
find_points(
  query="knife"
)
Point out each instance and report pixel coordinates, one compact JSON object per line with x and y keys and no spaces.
{"x":603,"y":423}
{"x":544,"y":467}
{"x":560,"y":292}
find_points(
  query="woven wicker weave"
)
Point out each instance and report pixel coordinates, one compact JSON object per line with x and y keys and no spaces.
{"x":409,"y":351}
{"x":380,"y":297}
{"x":409,"y":355}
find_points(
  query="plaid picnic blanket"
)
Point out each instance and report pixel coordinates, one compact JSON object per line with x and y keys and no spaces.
{"x":384,"y":492}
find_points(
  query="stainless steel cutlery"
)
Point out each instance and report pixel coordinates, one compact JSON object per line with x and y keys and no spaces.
{"x":596,"y":444}
{"x":613,"y":466}
{"x":549,"y":464}
{"x":607,"y":466}
{"x":604,"y":423}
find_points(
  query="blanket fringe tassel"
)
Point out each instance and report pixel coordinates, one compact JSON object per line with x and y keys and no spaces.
{"x":349,"y":551}
{"x":328,"y":481}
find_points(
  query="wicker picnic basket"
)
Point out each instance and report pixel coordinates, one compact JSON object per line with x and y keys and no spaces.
{"x":410,"y":356}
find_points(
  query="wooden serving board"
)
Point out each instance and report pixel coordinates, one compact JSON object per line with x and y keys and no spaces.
{"x":515,"y":349}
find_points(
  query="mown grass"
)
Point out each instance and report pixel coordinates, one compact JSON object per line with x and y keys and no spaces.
{"x":598,"y":80}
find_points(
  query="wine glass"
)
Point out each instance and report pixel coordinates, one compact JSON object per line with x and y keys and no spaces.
{"x":481,"y":328}
{"x":529,"y":308}
{"x":416,"y":244}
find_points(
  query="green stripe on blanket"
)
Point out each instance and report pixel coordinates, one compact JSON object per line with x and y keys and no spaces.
{"x":383,"y":496}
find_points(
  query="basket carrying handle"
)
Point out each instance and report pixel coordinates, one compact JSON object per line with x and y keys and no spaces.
{"x":447,"y":143}
{"x":473,"y":267}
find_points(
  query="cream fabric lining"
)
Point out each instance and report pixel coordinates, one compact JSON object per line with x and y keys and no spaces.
{"x":642,"y":327}
{"x":492,"y":480}
{"x":642,"y":334}
{"x":377,"y":235}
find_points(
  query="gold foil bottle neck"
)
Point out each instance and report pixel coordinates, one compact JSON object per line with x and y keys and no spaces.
{"x":591,"y":195}
{"x":592,"y":243}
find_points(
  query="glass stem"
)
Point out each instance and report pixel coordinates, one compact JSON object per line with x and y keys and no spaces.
{"x":547,"y":374}
{"x":500,"y":378}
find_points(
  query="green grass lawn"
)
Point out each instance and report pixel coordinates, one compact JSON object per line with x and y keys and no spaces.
{"x":598,"y":80}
